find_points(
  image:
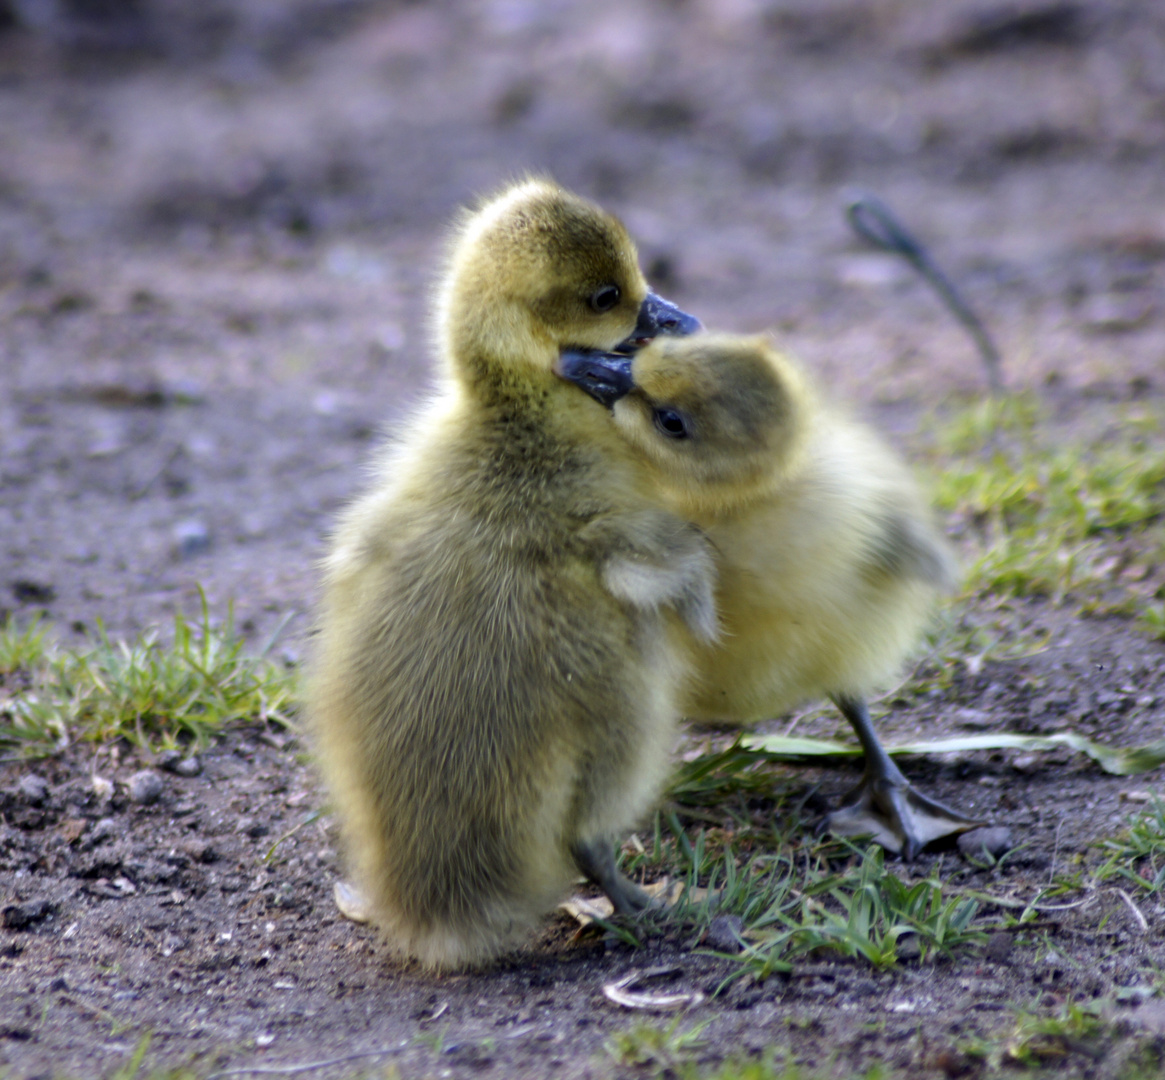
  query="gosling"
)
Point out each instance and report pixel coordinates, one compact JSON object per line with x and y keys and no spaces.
{"x":829,"y":560}
{"x":508,"y":614}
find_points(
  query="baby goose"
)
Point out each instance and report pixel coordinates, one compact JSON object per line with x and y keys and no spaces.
{"x":828,"y":559}
{"x":503,"y":631}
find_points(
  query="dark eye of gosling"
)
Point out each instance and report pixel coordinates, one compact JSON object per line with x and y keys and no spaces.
{"x":671,"y":423}
{"x":605,"y":298}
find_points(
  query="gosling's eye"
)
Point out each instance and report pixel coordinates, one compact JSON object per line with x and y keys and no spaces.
{"x":671,"y":423}
{"x":605,"y":298}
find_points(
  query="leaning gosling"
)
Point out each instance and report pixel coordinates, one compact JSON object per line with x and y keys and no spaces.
{"x":508,"y":614}
{"x":829,"y":560}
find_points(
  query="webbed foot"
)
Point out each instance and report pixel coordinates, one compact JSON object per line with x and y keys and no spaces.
{"x":887,"y":807}
{"x":897,"y":816}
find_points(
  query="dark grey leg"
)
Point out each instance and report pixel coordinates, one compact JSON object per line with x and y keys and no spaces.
{"x":596,"y":859}
{"x":899,"y":817}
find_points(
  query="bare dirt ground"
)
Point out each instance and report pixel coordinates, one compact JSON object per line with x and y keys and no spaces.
{"x":217,"y":233}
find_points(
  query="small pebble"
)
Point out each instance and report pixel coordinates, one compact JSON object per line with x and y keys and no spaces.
{"x":173,"y":761}
{"x":861,"y":988}
{"x":191,"y":538}
{"x":20,"y":916}
{"x":145,"y":787}
{"x":34,"y":789}
{"x":724,"y":933}
{"x":954,"y":1064}
{"x":102,"y":829}
{"x":974,"y":719}
{"x":167,"y":759}
{"x":188,"y":766}
{"x":33,"y":592}
{"x":252,"y":828}
{"x":995,"y":840}
{"x":998,"y":947}
{"x":909,"y":948}
{"x":200,"y":851}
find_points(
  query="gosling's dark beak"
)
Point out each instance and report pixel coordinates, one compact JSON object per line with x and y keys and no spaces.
{"x":658,"y":316}
{"x":605,"y":376}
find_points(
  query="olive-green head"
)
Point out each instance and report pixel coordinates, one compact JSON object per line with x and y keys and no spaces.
{"x":535,"y":269}
{"x":721,"y":418}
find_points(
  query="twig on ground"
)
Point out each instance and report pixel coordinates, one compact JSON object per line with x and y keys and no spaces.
{"x":875,"y":223}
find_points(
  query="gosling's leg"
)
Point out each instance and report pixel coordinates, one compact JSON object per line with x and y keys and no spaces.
{"x":596,"y":859}
{"x":888,"y":808}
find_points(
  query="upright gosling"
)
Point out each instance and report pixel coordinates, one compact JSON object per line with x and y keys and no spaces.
{"x":829,"y":562}
{"x":500,"y":656}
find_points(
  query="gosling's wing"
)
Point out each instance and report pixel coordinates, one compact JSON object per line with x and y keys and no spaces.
{"x":904,"y":544}
{"x":651,"y":559}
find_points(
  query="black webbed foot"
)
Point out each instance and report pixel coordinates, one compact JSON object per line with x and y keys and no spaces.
{"x":887,"y":807}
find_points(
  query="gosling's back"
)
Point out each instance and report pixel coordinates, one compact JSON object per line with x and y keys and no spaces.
{"x":474,"y":687}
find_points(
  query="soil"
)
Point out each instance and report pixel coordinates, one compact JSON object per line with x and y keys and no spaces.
{"x":218,"y":228}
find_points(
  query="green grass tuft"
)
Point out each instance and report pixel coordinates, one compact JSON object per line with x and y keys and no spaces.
{"x":671,"y":1053}
{"x":21,"y":650}
{"x":795,"y":896}
{"x":152,"y":694}
{"x":1138,"y":856}
{"x":1038,"y":1039}
{"x":1152,"y":621}
{"x":865,"y":912}
{"x":658,"y":1051}
{"x":1052,"y":520}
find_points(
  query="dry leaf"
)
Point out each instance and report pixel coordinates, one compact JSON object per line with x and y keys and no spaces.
{"x":1118,"y":761}
{"x":665,"y":892}
{"x":585,"y":909}
{"x":351,"y":902}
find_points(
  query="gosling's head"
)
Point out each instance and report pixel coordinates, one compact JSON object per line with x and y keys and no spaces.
{"x":537,"y":269}
{"x":720,"y":418}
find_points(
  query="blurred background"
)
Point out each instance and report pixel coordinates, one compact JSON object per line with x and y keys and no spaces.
{"x":219,"y":223}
